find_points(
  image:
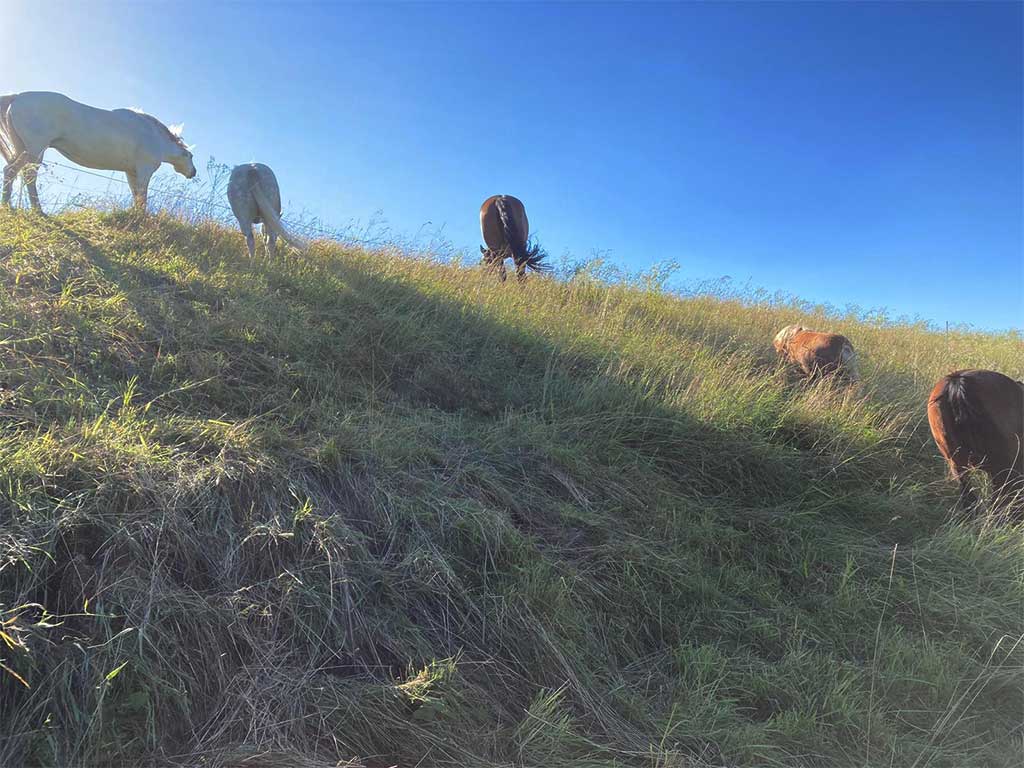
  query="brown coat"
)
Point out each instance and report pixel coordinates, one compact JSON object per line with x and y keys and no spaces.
{"x":506,"y":231}
{"x":815,"y":352}
{"x":977,"y":420}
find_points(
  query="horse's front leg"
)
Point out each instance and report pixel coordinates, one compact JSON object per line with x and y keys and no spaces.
{"x":138,"y":180}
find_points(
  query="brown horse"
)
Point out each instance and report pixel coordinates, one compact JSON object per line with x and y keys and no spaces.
{"x":977,"y":420}
{"x":506,"y":231}
{"x":817,"y":353}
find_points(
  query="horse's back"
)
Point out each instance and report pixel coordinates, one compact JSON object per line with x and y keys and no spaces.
{"x":44,"y":98}
{"x":821,"y":350}
{"x":38,"y":107}
{"x":48,"y":104}
{"x":45,"y":118}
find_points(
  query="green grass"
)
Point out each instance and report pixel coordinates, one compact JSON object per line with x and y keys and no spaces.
{"x":352,"y":506}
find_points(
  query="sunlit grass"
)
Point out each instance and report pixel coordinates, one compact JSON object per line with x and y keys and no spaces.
{"x":351,"y":505}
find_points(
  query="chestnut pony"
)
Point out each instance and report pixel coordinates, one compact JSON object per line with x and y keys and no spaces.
{"x":817,"y":353}
{"x":977,"y":420}
{"x":506,"y":231}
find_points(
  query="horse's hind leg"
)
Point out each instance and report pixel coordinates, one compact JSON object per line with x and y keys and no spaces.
{"x":29,"y":174}
{"x":244,"y":219}
{"x":11,"y":171}
{"x":496,"y":264}
{"x":250,"y":241}
{"x":271,"y":238}
{"x":521,"y":272}
{"x":31,"y":159}
{"x":10,"y":174}
{"x":967,"y":498}
{"x":1008,"y":488}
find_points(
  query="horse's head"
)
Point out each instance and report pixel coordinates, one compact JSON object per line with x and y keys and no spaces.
{"x":183,"y":164}
{"x":783,"y":337}
{"x":181,"y":157}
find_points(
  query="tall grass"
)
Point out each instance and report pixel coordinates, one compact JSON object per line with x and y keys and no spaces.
{"x":348,"y":507}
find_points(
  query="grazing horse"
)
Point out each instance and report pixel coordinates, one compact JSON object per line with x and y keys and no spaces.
{"x":506,"y":231}
{"x":977,"y":420}
{"x":111,"y":140}
{"x":817,"y":353}
{"x":256,"y":199}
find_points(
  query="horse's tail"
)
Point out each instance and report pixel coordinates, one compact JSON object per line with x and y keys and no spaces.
{"x":270,"y":216}
{"x":962,"y":422}
{"x":8,"y":138}
{"x":522,"y":252}
{"x":959,"y":399}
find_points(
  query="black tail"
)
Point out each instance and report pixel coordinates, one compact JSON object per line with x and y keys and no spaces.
{"x":514,"y":239}
{"x":536,"y":258}
{"x":973,"y":427}
{"x":959,"y":399}
{"x":522,"y":252}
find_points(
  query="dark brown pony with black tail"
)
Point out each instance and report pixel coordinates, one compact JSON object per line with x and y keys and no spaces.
{"x":977,"y":420}
{"x":506,"y":231}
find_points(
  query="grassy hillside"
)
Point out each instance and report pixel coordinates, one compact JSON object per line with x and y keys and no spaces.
{"x":349,"y":506}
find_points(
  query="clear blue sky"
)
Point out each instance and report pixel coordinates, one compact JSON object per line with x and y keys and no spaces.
{"x":844,"y":153}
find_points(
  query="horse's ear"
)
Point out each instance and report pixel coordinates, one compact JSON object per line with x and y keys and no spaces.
{"x":177,"y":129}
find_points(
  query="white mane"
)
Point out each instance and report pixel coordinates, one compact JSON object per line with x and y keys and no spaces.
{"x":782,"y":337}
{"x":173,"y":131}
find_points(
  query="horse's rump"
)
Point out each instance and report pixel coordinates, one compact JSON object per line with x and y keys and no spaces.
{"x":967,"y":411}
{"x":948,"y":424}
{"x":506,"y":231}
{"x":255,"y":198}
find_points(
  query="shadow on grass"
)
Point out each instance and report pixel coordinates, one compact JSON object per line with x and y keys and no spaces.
{"x":284,"y":341}
{"x":411,"y":480}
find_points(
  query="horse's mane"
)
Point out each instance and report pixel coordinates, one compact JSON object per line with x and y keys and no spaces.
{"x":174,"y":136}
{"x":786,"y":334}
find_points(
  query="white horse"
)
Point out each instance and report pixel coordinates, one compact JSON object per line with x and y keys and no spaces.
{"x":255,"y":198}
{"x":111,"y":140}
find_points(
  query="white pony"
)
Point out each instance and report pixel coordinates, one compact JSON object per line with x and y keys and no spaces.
{"x":111,"y":140}
{"x":255,"y":198}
